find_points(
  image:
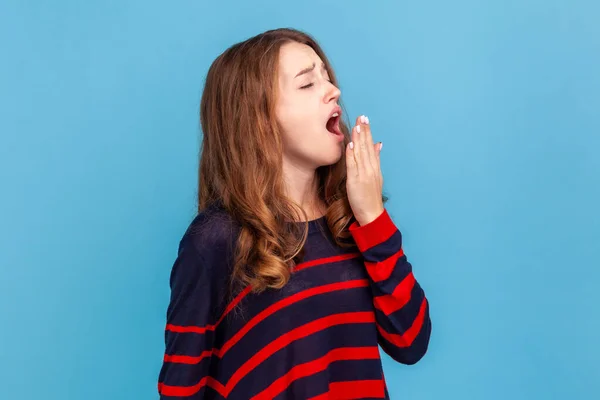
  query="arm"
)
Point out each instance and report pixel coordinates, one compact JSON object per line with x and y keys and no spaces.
{"x":189,"y":333}
{"x":401,"y":308}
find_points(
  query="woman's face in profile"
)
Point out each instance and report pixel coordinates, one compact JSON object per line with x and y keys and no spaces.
{"x":305,"y":104}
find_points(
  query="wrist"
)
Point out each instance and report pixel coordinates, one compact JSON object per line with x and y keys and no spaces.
{"x":365,"y":219}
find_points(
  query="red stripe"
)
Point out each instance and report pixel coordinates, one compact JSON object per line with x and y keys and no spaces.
{"x":189,"y":329}
{"x":373,"y":233}
{"x":326,"y":260}
{"x":357,"y":389}
{"x":353,"y":390}
{"x":235,"y":302}
{"x":296,"y":334}
{"x":380,"y":271}
{"x":188,"y":359}
{"x":266,"y":313}
{"x":398,"y":299}
{"x":182,"y":391}
{"x":267,"y":351}
{"x":406,"y":339}
{"x":248,"y":289}
{"x":203,"y":329}
{"x":315,"y":366}
{"x":287,"y":302}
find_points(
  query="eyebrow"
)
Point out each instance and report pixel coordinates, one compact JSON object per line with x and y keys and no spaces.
{"x":307,"y":70}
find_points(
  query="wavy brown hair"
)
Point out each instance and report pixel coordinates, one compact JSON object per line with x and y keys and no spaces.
{"x":241,"y":162}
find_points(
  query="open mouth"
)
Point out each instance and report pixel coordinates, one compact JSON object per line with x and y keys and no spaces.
{"x":333,"y":124}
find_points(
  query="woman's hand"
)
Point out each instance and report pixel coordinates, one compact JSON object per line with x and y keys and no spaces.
{"x":364,"y":182}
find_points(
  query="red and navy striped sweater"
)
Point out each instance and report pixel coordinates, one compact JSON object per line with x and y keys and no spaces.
{"x":317,"y":338}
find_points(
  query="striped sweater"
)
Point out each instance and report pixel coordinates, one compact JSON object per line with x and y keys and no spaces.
{"x":316,"y":338}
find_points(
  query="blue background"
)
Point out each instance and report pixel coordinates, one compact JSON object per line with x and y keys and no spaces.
{"x":489,"y":112}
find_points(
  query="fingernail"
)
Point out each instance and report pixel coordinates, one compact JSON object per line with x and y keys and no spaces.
{"x":380,"y":146}
{"x":362,"y":119}
{"x":366,"y":120}
{"x":357,"y":128}
{"x":351,"y":145}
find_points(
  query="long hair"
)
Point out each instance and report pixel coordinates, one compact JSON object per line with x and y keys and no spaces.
{"x":241,"y":162}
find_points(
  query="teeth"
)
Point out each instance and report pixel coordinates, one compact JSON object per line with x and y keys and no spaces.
{"x":335,"y":115}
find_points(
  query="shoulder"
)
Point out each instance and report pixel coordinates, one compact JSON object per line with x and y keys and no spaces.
{"x":203,"y":264}
{"x":211,"y":236}
{"x":205,"y":257}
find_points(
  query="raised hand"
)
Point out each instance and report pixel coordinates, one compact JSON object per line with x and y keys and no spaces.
{"x":364,"y":182}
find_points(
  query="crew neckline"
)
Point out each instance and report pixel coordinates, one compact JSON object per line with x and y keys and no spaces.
{"x":313,"y":224}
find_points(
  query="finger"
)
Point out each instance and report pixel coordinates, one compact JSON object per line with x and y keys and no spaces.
{"x":359,"y":120}
{"x":379,"y":147}
{"x":364,"y":163}
{"x":356,"y":151}
{"x":371,"y":157}
{"x":377,"y":150}
{"x":351,"y":169}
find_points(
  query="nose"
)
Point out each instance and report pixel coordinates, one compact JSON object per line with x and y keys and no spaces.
{"x":332,"y":93}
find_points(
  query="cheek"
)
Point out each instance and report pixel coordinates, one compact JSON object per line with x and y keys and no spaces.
{"x":299,"y":118}
{"x":287,"y":123}
{"x":291,"y":118}
{"x":298,"y":106}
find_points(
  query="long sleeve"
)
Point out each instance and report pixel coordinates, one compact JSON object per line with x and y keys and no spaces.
{"x":190,"y":328}
{"x":401,"y":308}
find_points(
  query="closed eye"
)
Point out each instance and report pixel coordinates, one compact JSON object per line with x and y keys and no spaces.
{"x":311,"y":84}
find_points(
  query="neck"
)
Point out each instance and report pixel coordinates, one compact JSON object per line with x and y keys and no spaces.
{"x":301,"y":187}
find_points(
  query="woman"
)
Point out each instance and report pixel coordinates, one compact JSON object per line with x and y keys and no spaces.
{"x":292,"y":272}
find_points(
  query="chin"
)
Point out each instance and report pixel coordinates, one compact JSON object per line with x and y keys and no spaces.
{"x":332,"y":157}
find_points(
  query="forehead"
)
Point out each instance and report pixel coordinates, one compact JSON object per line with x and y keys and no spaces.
{"x":294,"y":56}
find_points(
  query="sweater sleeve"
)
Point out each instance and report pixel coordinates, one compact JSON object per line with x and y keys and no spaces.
{"x":401,"y":308}
{"x":190,"y":328}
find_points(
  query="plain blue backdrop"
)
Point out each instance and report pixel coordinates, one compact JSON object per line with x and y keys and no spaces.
{"x":490,"y":116}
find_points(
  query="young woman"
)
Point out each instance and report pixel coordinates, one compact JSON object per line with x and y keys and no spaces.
{"x":293,"y":272}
